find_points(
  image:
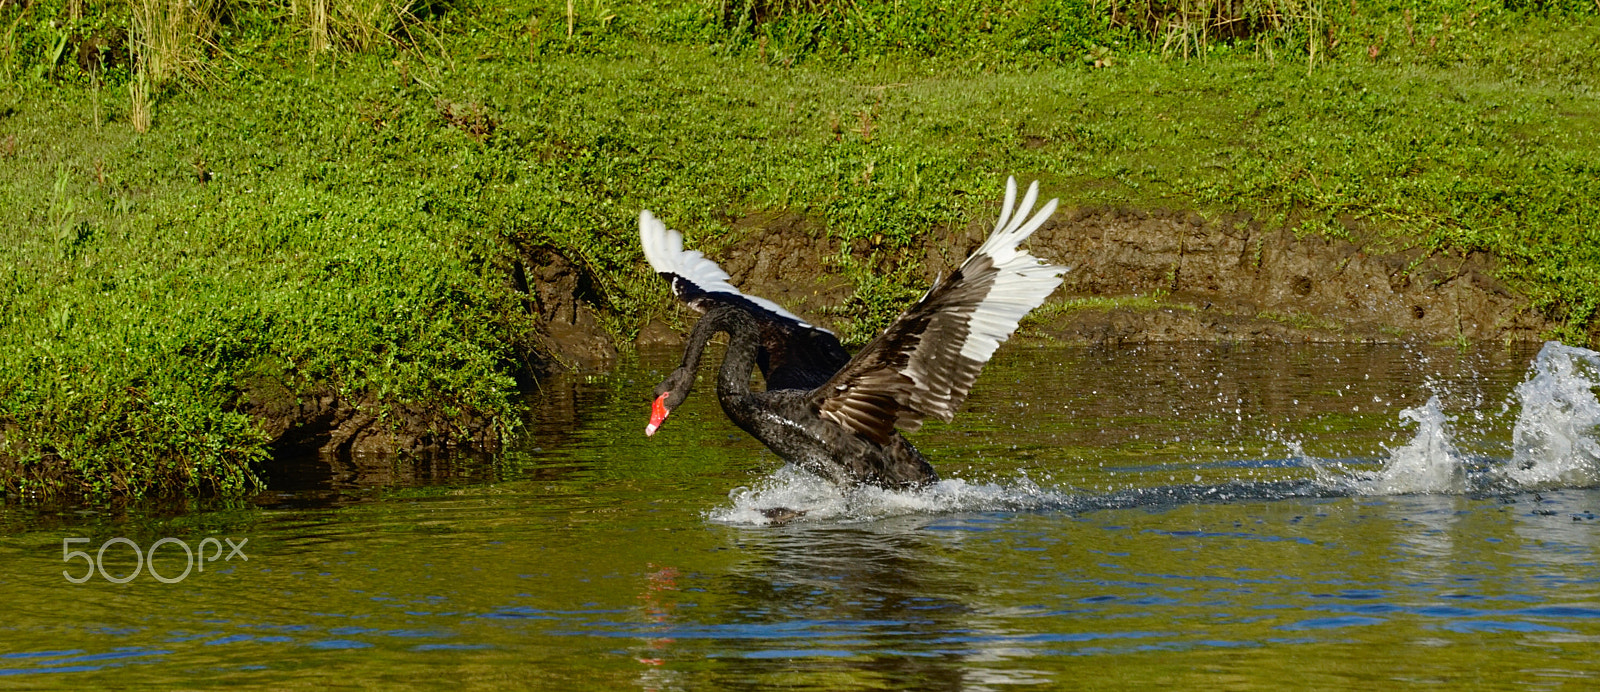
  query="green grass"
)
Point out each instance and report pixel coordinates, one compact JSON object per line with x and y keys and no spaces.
{"x":1302,"y":320}
{"x":348,"y":221}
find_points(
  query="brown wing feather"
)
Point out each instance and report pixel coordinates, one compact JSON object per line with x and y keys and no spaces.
{"x":914,"y":369}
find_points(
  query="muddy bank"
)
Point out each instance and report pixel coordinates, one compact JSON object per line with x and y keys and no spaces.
{"x":1232,"y":279}
{"x":1159,"y":276}
{"x":324,"y":422}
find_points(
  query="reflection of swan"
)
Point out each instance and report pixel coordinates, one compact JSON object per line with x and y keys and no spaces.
{"x":893,"y":601}
{"x":886,"y":561}
{"x":886,"y":586}
{"x":658,"y":612}
{"x":1425,"y":524}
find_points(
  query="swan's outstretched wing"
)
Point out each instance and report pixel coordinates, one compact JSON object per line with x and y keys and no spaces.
{"x":794,"y":354}
{"x":924,"y":364}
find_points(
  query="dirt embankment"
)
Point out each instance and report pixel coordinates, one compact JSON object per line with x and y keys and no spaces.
{"x":1168,"y":276}
{"x":1231,"y":279}
{"x":325,"y":423}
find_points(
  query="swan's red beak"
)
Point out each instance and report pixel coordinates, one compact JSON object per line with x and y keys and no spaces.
{"x":658,"y":413}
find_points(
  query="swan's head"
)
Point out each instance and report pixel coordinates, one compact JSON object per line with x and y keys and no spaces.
{"x":671,"y":392}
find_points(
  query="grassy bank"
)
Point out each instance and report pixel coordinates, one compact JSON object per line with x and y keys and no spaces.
{"x":340,"y":206}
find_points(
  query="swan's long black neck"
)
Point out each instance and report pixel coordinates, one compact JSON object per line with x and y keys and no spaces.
{"x":739,"y":361}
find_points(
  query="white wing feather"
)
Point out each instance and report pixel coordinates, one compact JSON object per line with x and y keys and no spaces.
{"x":1024,"y":281}
{"x":663,"y":247}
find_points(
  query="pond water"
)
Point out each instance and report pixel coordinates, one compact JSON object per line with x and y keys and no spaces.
{"x":1329,"y":517}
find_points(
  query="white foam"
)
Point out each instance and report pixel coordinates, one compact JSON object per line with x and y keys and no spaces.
{"x":1553,"y":443}
{"x":794,"y":489}
{"x":1428,"y":463}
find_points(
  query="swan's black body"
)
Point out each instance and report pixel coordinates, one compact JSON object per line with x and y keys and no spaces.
{"x":834,"y":415}
{"x":785,"y":418}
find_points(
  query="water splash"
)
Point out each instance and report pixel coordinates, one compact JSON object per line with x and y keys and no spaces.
{"x":791,"y":488}
{"x":809,"y":498}
{"x":1553,"y":443}
{"x":1428,"y":463}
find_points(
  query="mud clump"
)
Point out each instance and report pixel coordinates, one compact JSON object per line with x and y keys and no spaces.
{"x":325,"y":423}
{"x":560,"y":295}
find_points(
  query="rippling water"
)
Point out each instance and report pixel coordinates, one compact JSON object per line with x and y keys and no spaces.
{"x":1329,"y":517}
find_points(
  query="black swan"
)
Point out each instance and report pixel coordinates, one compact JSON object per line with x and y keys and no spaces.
{"x":834,"y":415}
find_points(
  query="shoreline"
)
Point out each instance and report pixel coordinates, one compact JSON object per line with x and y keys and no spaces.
{"x":381,"y":248}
